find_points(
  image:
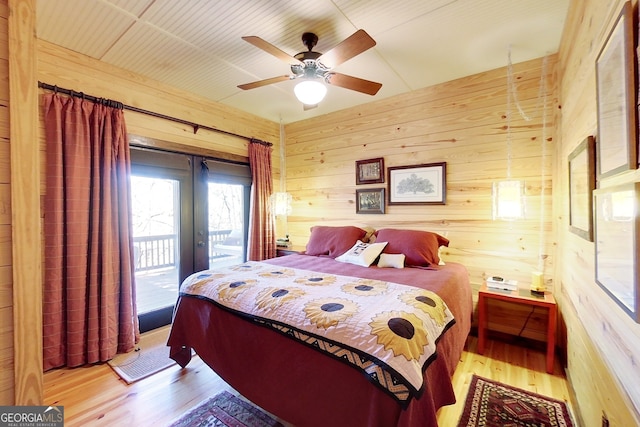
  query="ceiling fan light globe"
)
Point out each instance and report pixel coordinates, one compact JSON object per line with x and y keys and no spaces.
{"x":310,"y":92}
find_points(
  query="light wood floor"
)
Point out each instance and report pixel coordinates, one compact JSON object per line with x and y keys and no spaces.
{"x":96,"y":396}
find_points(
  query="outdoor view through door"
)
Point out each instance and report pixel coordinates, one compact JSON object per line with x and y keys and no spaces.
{"x":155,"y":204}
{"x":187,"y":215}
{"x":226,"y":224}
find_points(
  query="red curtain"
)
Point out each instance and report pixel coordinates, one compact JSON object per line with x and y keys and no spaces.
{"x":89,"y":311}
{"x":262,"y":240}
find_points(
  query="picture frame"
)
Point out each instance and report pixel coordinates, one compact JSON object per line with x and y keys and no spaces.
{"x":370,"y":201}
{"x":616,"y":99}
{"x":582,"y":182}
{"x":617,"y":233}
{"x":424,"y":184}
{"x":370,"y":171}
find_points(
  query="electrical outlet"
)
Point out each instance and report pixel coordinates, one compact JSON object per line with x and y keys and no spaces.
{"x":605,"y":420}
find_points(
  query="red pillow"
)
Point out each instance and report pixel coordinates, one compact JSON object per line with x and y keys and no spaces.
{"x":333,"y":241}
{"x":420,"y":248}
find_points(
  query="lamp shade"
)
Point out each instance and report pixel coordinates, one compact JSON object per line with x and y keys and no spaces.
{"x":508,"y":200}
{"x":310,"y":92}
{"x":281,"y":203}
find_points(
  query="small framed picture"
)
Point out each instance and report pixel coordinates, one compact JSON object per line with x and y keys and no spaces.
{"x":370,"y":171}
{"x":582,"y":182}
{"x":370,"y":201}
{"x":418,"y":184}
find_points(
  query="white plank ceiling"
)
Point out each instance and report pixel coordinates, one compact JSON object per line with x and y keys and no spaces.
{"x":196,"y":45}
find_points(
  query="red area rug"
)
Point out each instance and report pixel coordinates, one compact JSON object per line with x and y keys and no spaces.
{"x":225,"y":410}
{"x":493,"y":404}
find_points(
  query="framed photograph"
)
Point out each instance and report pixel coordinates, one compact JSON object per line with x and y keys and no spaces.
{"x":418,"y":184}
{"x":370,"y":171}
{"x":582,"y":182}
{"x":616,"y":236}
{"x":370,"y":201}
{"x":616,"y":99}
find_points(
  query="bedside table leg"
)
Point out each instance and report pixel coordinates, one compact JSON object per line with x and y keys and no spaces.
{"x":482,"y":323}
{"x":551,"y":338}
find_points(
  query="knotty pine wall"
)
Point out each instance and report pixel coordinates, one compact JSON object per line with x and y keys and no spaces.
{"x":462,"y":123}
{"x":68,"y":69}
{"x":71,"y":70}
{"x":603,"y":343}
{"x":6,"y":279}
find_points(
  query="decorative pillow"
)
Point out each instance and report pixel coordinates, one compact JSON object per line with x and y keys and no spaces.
{"x":369,"y":233}
{"x":362,"y":253}
{"x":419,"y":247}
{"x":332,"y":241}
{"x":391,"y":260}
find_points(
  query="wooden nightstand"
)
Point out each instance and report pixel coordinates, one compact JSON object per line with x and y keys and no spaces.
{"x":520,"y":296}
{"x":288,"y":251}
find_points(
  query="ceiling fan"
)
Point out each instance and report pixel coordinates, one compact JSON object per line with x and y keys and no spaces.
{"x":313,"y":68}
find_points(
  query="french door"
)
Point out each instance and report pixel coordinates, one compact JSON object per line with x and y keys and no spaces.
{"x":189,"y":213}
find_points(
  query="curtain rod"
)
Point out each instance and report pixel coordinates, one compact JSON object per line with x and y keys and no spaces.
{"x":195,"y":126}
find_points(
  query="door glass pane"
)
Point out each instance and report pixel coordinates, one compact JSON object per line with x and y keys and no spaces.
{"x":156,"y":221}
{"x":226,"y":225}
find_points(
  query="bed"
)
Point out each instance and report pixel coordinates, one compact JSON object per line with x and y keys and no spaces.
{"x":308,"y":377}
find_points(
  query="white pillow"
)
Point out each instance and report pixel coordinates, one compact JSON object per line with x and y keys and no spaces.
{"x":362,"y":253}
{"x":391,"y":260}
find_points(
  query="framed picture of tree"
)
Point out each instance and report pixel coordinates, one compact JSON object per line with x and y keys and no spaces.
{"x":424,"y":184}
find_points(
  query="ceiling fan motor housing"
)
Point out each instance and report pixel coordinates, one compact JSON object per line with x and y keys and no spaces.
{"x":310,"y":68}
{"x":311,"y":65}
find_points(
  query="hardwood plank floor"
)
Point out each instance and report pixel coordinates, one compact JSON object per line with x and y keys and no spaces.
{"x":96,"y":396}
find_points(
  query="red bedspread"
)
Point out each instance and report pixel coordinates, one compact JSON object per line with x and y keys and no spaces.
{"x":308,"y":388}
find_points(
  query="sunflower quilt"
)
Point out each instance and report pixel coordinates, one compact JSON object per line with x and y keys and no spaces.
{"x":387,"y":330}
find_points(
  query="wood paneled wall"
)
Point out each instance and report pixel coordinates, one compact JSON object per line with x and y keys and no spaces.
{"x":68,"y":69}
{"x":58,"y":66}
{"x":6,"y":271}
{"x":462,"y":123}
{"x":603,"y":343}
{"x":25,"y":204}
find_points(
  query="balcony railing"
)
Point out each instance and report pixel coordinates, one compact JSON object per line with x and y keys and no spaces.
{"x":154,"y":252}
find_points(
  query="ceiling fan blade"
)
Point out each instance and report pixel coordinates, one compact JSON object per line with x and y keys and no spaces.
{"x":353,"y":45}
{"x":264,"y":82}
{"x":353,"y":83}
{"x":269,"y":48}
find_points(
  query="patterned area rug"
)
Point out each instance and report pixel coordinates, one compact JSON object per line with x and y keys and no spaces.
{"x":225,"y":410}
{"x":493,"y":404}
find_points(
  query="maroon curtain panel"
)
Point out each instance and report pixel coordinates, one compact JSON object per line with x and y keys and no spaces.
{"x":262,"y":238}
{"x":89,"y":311}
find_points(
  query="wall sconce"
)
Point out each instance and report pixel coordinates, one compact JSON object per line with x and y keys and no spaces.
{"x":310,"y":92}
{"x":281,"y":203}
{"x":508,"y":200}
